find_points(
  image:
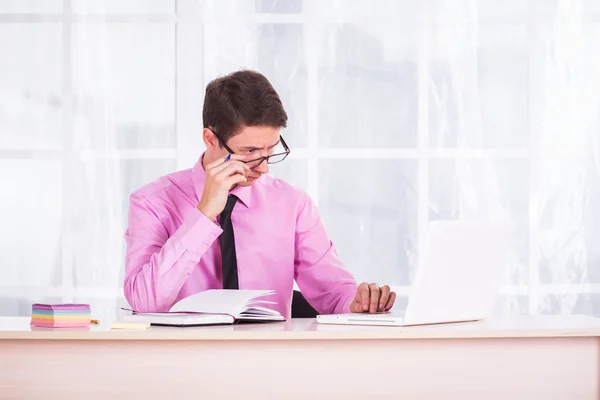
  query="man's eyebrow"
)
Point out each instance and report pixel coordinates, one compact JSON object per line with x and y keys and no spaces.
{"x":250,"y":148}
{"x":276,"y":143}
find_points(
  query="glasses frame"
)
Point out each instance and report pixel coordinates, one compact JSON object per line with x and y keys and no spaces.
{"x":262,"y":159}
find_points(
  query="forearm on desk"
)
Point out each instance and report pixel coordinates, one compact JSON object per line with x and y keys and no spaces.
{"x":321,"y":275}
{"x":327,"y":285}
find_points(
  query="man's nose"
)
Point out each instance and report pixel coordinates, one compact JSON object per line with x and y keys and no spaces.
{"x":263,"y":168}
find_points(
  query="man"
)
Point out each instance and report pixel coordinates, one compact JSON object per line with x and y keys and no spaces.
{"x":226,"y":224}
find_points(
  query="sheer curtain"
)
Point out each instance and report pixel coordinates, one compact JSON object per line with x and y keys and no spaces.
{"x":401,"y":112}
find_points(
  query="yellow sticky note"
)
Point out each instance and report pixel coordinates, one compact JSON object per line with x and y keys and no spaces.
{"x":131,"y":326}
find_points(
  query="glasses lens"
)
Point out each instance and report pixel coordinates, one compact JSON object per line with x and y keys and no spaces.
{"x":275,"y":158}
{"x":255,"y":163}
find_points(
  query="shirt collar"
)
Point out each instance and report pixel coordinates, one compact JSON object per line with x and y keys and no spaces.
{"x":243,"y":193}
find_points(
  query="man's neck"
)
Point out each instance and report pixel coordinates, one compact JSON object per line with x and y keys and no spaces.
{"x":206,"y":159}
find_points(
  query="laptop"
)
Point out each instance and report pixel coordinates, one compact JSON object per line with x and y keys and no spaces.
{"x":462,"y":269}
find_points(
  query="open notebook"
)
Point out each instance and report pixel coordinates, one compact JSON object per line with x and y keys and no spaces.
{"x":213,"y":307}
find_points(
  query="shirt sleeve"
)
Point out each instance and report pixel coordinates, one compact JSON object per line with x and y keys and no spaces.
{"x":156,"y":265}
{"x":320,"y":274}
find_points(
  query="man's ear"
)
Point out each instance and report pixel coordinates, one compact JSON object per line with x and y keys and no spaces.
{"x":210,"y":140}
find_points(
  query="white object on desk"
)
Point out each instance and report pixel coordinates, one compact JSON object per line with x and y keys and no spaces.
{"x":379,"y":319}
{"x":457,"y":281}
{"x":213,"y":307}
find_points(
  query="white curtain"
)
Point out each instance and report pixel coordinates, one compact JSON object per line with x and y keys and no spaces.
{"x":401,"y":112}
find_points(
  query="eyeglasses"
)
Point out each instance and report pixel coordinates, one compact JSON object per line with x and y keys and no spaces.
{"x":272,"y":159}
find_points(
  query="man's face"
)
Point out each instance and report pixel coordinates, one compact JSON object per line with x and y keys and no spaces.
{"x":253,"y":142}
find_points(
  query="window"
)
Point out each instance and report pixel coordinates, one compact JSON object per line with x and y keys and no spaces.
{"x":399,"y":114}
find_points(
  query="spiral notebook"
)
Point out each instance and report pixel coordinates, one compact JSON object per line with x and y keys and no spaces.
{"x":213,"y":307}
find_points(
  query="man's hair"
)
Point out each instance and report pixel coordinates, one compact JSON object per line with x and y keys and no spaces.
{"x":242,"y":98}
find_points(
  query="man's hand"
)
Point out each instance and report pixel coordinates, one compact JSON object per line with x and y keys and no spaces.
{"x":221,"y":176}
{"x":372,"y":298}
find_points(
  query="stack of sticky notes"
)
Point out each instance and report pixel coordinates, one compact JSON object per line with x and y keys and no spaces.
{"x":60,"y":315}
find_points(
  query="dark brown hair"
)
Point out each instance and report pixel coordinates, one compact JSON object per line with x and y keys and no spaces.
{"x":242,"y":98}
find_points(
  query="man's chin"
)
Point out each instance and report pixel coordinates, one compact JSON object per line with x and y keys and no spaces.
{"x":249,"y":182}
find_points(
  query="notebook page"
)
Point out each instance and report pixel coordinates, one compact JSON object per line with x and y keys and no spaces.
{"x":256,"y":310}
{"x":221,"y":301}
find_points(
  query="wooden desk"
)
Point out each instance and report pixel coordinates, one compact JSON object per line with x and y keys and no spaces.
{"x":511,"y":358}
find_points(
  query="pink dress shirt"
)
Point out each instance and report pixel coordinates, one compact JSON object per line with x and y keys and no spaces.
{"x":173,"y":250}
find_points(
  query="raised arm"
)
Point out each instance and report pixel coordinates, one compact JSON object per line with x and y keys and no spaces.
{"x":157,"y":265}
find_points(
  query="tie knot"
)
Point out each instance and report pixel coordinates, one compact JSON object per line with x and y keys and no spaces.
{"x":231,"y":200}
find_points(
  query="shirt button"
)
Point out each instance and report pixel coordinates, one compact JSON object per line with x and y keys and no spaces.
{"x":212,"y":237}
{"x":205,"y":246}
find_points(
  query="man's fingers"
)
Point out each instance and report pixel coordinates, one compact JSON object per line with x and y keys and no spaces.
{"x":237,"y":178}
{"x":383,"y":297}
{"x":356,"y":306}
{"x":374,"y":289}
{"x":222,"y":160}
{"x":215,"y":163}
{"x":390,"y":302}
{"x":230,"y":170}
{"x":221,"y":167}
{"x":363,"y":290}
{"x":371,"y":298}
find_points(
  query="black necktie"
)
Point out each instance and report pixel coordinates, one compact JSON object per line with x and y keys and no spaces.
{"x":228,"y":257}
